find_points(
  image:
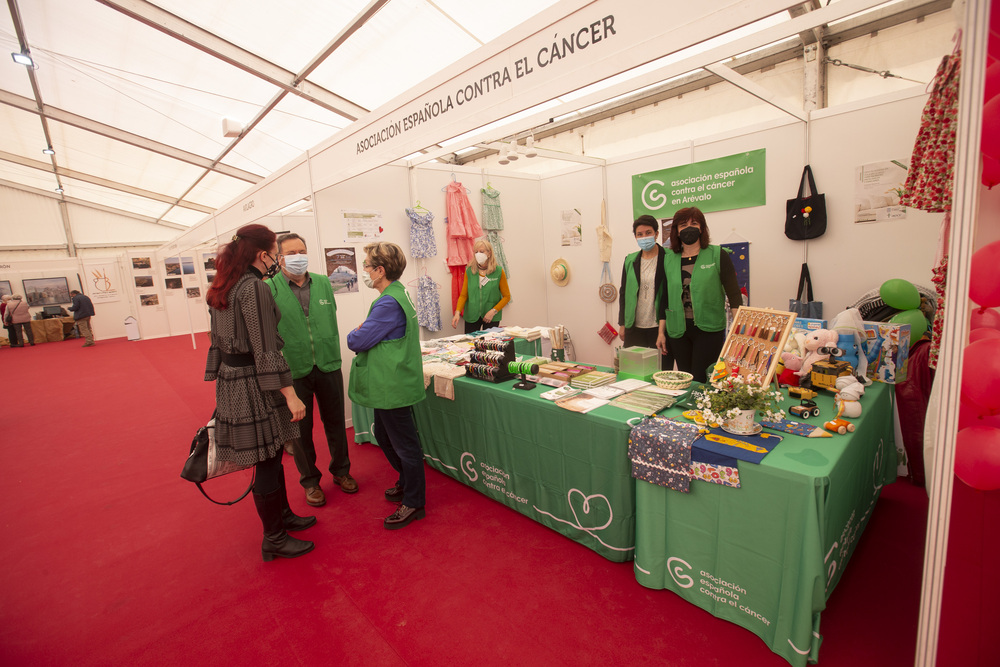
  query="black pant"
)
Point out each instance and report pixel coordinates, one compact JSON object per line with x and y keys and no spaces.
{"x":328,"y":389}
{"x":696,"y":350}
{"x":397,"y":436}
{"x":267,"y":475}
{"x":647,"y":338}
{"x":12,"y":336}
{"x":480,"y":324}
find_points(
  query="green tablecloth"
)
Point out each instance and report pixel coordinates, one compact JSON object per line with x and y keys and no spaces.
{"x":767,"y":555}
{"x":566,"y":470}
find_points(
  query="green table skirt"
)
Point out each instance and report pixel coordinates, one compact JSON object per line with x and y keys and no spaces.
{"x":566,"y":470}
{"x":766,"y":556}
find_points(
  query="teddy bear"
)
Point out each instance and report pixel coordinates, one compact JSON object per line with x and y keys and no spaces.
{"x":814,"y":341}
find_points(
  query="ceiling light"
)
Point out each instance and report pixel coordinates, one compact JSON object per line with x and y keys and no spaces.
{"x":49,"y":151}
{"x":503,"y":154}
{"x":512,"y":153}
{"x":23,"y":59}
{"x":529,"y":147}
{"x":59,"y":190}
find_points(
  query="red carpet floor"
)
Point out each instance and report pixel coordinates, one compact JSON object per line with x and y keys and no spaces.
{"x":109,"y":558}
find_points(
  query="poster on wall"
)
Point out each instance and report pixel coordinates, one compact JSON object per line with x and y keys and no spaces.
{"x":104,"y":284}
{"x":342,"y":269}
{"x":723,"y":184}
{"x":172,"y":266}
{"x":143,"y":281}
{"x":193,"y":292}
{"x":46,"y":291}
{"x":149,"y":299}
{"x":209,"y":259}
{"x":173,"y":283}
{"x":5,"y":288}
{"x":187,"y":264}
{"x":740,"y":256}
{"x":572,"y":228}
{"x":142,"y":263}
{"x":362,"y":226}
{"x":878,"y":188}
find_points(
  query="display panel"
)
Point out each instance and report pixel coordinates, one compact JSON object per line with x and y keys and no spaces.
{"x":46,"y":291}
{"x":5,"y":288}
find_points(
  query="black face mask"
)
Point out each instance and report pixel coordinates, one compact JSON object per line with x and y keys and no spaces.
{"x":689,"y":235}
{"x":272,"y":271}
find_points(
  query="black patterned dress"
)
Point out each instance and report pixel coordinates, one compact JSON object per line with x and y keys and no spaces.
{"x":252,"y":420}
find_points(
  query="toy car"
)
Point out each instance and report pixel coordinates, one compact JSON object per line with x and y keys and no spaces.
{"x":839,"y":425}
{"x":805,"y":409}
{"x":802,"y":392}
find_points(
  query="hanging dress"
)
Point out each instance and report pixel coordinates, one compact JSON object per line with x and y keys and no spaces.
{"x":493,"y":224}
{"x":463,"y":229}
{"x":422,"y":244}
{"x":428,"y":304}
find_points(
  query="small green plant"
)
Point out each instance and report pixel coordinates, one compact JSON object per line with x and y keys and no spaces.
{"x":728,"y":396}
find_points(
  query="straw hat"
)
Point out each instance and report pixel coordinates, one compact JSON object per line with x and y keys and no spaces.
{"x":560,"y":272}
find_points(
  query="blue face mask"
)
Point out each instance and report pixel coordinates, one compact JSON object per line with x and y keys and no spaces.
{"x":297,"y":264}
{"x":646,"y":242}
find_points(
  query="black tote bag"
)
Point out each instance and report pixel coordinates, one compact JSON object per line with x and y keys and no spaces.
{"x":800,"y":224}
{"x":808,"y":307}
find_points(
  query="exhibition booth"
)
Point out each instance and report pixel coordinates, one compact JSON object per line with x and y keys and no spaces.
{"x":549,"y":463}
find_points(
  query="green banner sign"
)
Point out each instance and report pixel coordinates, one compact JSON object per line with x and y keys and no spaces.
{"x":722,"y":184}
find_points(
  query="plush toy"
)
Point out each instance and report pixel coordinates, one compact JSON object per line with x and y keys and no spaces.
{"x":815,"y":340}
{"x":791,"y":358}
{"x":849,"y":391}
{"x":852,"y":339}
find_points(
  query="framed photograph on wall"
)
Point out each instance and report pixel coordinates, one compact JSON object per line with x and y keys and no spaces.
{"x":46,"y":291}
{"x":5,"y":288}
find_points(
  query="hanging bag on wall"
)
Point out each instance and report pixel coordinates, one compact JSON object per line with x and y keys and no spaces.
{"x":805,"y":216}
{"x":808,"y":307}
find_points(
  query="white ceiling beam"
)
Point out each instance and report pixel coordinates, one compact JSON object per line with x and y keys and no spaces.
{"x":52,"y":113}
{"x":150,"y":15}
{"x":362,"y":18}
{"x":88,"y":204}
{"x":755,"y":89}
{"x":103,"y":182}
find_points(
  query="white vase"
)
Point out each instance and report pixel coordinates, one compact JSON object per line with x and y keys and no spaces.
{"x":743,"y":422}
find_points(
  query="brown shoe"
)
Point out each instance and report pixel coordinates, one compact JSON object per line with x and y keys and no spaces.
{"x":346,"y":483}
{"x":315,"y":497}
{"x":402,"y":517}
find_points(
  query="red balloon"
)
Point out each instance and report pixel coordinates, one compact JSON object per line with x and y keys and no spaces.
{"x":970,"y":414}
{"x":980,"y":370}
{"x":992,"y":84}
{"x":977,"y":457}
{"x":983,"y":332}
{"x":991,"y":128}
{"x":984,"y":317}
{"x":984,"y":276}
{"x":991,"y":170}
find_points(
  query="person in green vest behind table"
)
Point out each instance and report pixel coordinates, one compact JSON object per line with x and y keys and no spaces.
{"x":484,"y":291}
{"x":308,"y":326}
{"x":387,"y":375}
{"x":699,"y":278}
{"x":641,"y":293}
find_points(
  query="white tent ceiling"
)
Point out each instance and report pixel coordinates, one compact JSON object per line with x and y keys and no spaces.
{"x":131,"y":95}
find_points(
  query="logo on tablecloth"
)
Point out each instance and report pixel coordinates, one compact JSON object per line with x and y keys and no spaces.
{"x":678,"y":573}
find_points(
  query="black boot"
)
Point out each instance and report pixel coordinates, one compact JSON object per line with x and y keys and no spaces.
{"x":290,"y":519}
{"x":277,"y":542}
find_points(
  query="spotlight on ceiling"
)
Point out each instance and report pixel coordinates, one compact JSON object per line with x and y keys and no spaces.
{"x":59,"y":190}
{"x":23,"y":59}
{"x":49,"y":151}
{"x":529,"y":147}
{"x":503,"y":155}
{"x":512,"y":153}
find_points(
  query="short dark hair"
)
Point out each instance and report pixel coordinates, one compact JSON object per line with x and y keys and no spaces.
{"x":684,"y":215}
{"x":74,"y":292}
{"x":646,"y":221}
{"x":290,"y":236}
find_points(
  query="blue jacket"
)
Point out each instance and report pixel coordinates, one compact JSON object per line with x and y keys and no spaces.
{"x":82,"y":307}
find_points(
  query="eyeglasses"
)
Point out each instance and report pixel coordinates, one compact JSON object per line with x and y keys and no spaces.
{"x":366,"y":265}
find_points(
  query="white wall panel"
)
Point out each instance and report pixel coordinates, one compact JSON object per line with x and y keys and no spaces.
{"x":29,"y":219}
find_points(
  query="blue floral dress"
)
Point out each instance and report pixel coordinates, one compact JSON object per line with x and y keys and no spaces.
{"x":422,"y":243}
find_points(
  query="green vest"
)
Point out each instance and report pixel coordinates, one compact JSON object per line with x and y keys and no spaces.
{"x":707,"y":295}
{"x":631,"y":294}
{"x":390,"y":374}
{"x":482,"y":298}
{"x":309,"y":341}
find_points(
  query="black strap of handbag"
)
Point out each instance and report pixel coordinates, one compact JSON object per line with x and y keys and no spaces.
{"x":232,"y":502}
{"x":805,"y":281}
{"x":807,"y":173}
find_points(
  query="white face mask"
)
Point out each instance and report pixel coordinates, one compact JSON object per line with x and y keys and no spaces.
{"x":297,"y":264}
{"x":481,"y":257}
{"x":366,"y":278}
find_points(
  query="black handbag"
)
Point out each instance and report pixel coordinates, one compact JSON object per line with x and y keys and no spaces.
{"x":802,"y":224}
{"x":808,"y":308}
{"x":202,"y":463}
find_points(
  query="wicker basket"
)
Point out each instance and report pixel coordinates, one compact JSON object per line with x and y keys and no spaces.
{"x":672,"y":379}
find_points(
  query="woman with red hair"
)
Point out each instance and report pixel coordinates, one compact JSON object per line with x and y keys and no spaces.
{"x":256,"y":407}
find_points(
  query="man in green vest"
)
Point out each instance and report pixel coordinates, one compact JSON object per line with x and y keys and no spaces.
{"x":308,"y":326}
{"x":387,"y":375}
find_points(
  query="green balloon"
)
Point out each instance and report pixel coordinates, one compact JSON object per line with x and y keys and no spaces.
{"x":899,"y":294}
{"x":915,"y":318}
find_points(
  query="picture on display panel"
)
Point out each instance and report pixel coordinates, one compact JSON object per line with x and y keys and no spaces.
{"x":143,"y":281}
{"x":878,"y":187}
{"x":5,"y":289}
{"x":149,"y":299}
{"x":193,"y":292}
{"x":46,"y":291}
{"x":209,"y":277}
{"x":172,"y":265}
{"x":173,"y":283}
{"x":209,"y":258}
{"x":142,"y":263}
{"x":187,"y":264}
{"x":572,"y":228}
{"x":342,"y":269}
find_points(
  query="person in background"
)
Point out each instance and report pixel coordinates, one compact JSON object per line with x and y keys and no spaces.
{"x":699,"y":279}
{"x":387,"y":375}
{"x":308,"y":326}
{"x":484,"y":291}
{"x":83,"y":310}
{"x":641,"y":293}
{"x":12,"y":337}
{"x":256,"y":407}
{"x":18,"y":315}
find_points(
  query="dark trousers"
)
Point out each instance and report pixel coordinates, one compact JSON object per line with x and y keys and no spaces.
{"x":397,"y":436}
{"x":328,"y":390}
{"x":12,"y":336}
{"x":479,"y":325}
{"x":267,"y":475}
{"x":647,"y":338}
{"x":696,"y":350}
{"x":25,"y":332}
